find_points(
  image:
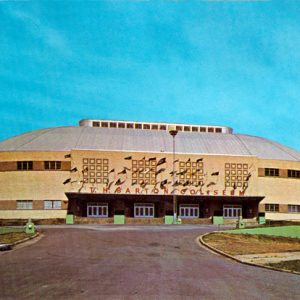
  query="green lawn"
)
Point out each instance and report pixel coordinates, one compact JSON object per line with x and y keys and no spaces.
{"x":286,"y":231}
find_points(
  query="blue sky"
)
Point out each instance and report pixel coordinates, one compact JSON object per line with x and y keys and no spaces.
{"x":234,"y":63}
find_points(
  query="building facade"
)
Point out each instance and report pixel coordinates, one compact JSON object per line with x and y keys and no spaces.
{"x":102,"y":168}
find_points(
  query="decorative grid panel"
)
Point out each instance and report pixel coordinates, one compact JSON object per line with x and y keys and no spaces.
{"x":236,"y":175}
{"x":95,"y":170}
{"x":190,"y":173}
{"x":144,"y":172}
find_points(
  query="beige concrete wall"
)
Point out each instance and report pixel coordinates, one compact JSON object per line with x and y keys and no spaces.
{"x":279,"y":190}
{"x":31,"y":185}
{"x":283,"y":216}
{"x":34,"y":214}
{"x":48,"y":185}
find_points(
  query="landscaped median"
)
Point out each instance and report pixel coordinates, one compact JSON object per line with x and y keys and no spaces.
{"x":10,"y":236}
{"x":270,"y":251}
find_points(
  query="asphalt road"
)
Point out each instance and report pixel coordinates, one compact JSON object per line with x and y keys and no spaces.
{"x":133,"y":262}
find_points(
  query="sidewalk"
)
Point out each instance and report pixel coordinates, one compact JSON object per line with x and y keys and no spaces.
{"x":266,"y":258}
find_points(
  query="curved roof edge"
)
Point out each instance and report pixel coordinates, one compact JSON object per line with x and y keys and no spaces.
{"x":69,"y":138}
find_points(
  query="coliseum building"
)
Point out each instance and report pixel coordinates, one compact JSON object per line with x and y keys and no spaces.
{"x":102,"y":168}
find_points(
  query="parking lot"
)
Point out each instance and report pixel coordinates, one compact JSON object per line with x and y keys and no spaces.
{"x":140,"y":262}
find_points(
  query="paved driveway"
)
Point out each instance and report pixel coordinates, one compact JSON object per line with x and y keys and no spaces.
{"x":133,"y":262}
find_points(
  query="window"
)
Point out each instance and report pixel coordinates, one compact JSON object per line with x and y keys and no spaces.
{"x":294,"y":208}
{"x":24,"y":204}
{"x":189,"y":211}
{"x":271,"y":172}
{"x":232,"y":211}
{"x":294,"y":173}
{"x":25,"y":165}
{"x":179,"y":128}
{"x":104,"y":124}
{"x":113,"y":125}
{"x":163,"y":127}
{"x":272,"y":207}
{"x":144,"y":210}
{"x":52,"y":165}
{"x":121,"y":125}
{"x":146,"y":126}
{"x":187,"y":128}
{"x":129,"y":125}
{"x":96,"y":124}
{"x":138,"y":126}
{"x":218,"y":130}
{"x":202,"y":129}
{"x":52,"y":204}
{"x":210,"y":129}
{"x":97,"y":210}
{"x":194,"y":129}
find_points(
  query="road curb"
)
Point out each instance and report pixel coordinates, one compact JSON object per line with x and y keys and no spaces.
{"x":200,"y":240}
{"x":24,"y":240}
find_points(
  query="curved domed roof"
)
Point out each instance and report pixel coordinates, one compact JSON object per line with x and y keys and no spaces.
{"x":120,"y":139}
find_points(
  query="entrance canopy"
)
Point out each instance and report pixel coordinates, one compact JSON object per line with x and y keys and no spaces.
{"x":157,"y":198}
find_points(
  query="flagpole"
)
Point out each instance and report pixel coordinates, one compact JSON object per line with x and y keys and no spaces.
{"x":173,"y":133}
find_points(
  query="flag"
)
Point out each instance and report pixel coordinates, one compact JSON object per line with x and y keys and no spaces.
{"x":215,"y":174}
{"x":160,"y":171}
{"x":210,"y":184}
{"x":152,"y":158}
{"x":186,"y":183}
{"x":67,"y":181}
{"x":164,"y":182}
{"x":119,"y":182}
{"x":68,"y":155}
{"x":143,"y":184}
{"x":128,"y":158}
{"x":112,"y":170}
{"x":110,"y":184}
{"x":161,"y":161}
{"x":122,"y":172}
{"x":176,"y":183}
{"x":183,"y":172}
{"x":199,"y":159}
{"x":74,"y":169}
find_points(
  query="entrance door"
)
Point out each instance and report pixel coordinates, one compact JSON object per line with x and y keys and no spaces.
{"x":232,"y":211}
{"x":97,"y":210}
{"x":144,"y":210}
{"x":189,"y":211}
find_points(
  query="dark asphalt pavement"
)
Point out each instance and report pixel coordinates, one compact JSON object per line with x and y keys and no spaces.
{"x":133,"y":262}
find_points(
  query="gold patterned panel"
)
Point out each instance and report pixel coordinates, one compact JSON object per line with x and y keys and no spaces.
{"x":143,"y":172}
{"x":236,"y":175}
{"x":95,"y":170}
{"x":190,"y":172}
